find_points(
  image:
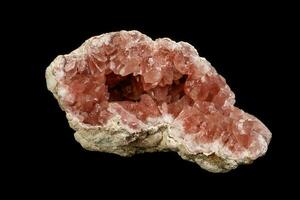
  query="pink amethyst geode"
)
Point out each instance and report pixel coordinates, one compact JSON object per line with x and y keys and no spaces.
{"x":124,"y":93}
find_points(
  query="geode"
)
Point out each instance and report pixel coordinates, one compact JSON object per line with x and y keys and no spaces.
{"x":124,"y":93}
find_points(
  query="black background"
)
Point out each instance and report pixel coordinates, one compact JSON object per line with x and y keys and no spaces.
{"x":243,"y":43}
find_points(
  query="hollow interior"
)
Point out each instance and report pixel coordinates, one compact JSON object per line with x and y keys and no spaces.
{"x":129,"y":88}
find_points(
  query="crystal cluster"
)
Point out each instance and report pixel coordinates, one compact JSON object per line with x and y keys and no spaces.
{"x":124,"y":93}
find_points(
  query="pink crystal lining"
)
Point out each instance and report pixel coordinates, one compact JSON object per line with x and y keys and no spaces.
{"x":141,"y":79}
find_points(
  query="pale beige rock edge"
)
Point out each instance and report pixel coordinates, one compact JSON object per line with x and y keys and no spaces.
{"x":119,"y":139}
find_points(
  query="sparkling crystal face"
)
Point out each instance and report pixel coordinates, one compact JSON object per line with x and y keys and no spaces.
{"x":141,"y":76}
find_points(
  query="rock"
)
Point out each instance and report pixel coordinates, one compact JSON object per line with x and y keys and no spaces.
{"x":124,"y":93}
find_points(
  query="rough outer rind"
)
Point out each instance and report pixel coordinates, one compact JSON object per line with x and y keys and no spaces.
{"x":114,"y":138}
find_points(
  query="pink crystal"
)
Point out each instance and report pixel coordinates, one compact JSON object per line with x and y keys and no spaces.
{"x":145,"y":82}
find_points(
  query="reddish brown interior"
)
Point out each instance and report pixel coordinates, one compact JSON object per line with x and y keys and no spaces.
{"x":148,"y":84}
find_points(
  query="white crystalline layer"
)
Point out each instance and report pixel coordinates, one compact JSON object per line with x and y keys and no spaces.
{"x":159,"y":134}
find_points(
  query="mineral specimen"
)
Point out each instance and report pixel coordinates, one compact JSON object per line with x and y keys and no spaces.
{"x":124,"y":93}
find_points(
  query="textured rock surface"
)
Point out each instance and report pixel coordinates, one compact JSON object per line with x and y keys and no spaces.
{"x":124,"y":93}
